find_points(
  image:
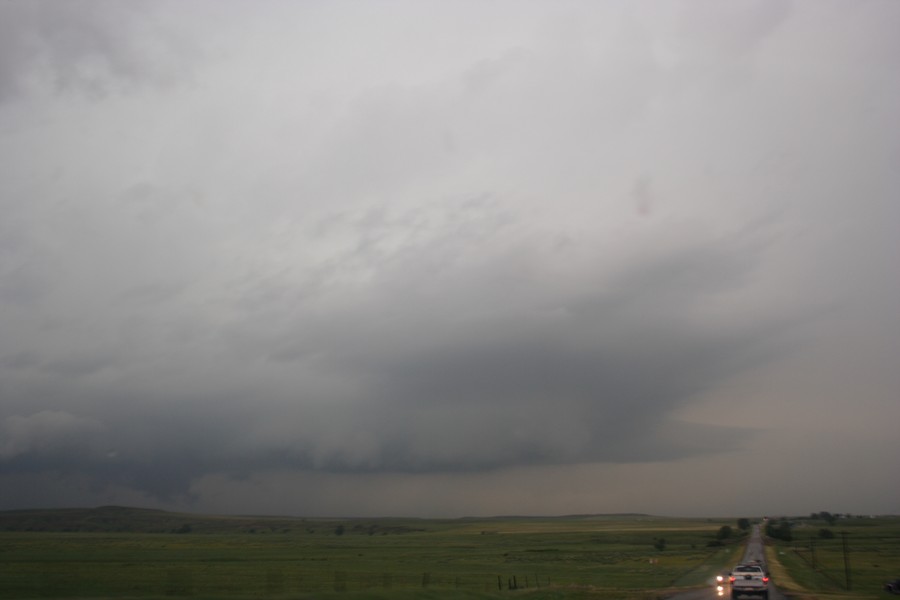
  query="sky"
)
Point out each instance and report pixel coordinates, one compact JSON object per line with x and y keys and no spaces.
{"x":443,"y":259}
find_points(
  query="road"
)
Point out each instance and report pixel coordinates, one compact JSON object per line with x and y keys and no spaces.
{"x":754,"y":551}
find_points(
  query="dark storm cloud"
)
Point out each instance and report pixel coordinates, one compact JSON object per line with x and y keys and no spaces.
{"x":172,"y":444}
{"x":592,"y":374}
{"x":46,"y":434}
{"x":433,"y":367}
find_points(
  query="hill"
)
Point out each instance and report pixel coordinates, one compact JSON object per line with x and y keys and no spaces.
{"x":143,"y":520}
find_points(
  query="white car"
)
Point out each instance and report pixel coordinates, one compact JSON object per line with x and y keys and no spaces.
{"x":749,"y":579}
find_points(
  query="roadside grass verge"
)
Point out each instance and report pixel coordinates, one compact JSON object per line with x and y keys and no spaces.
{"x":705,"y":574}
{"x":812,"y":565}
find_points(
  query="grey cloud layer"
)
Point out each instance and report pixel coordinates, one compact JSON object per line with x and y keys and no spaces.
{"x":554,"y":236}
{"x":86,"y":46}
{"x":423,"y":363}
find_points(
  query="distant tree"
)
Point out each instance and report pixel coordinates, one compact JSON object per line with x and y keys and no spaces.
{"x":659,"y":544}
{"x":743,"y":524}
{"x":784,"y":531}
{"x":780,"y":530}
{"x":826,"y":534}
{"x":339,"y":530}
{"x":827,"y":517}
{"x":724,"y":532}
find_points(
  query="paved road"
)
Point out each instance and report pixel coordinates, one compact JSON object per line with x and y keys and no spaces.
{"x":754,"y":551}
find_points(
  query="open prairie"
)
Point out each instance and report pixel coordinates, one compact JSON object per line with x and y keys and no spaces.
{"x":127,"y":553}
{"x":123,"y":552}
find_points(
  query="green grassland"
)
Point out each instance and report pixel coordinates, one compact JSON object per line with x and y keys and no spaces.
{"x":117,"y":552}
{"x":816,"y":563}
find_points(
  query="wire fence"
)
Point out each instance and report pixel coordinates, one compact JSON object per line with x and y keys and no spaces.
{"x":217,"y":580}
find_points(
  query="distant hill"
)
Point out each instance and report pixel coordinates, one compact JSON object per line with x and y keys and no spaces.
{"x":576,"y":517}
{"x":143,"y":520}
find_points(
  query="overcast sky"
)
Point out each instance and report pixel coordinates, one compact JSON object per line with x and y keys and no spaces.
{"x":450,"y":258}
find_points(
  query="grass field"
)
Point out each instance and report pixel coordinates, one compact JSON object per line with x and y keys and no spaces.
{"x":589,"y":557}
{"x":817,"y":564}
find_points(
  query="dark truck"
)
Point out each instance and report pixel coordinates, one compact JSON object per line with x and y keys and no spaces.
{"x":749,"y":579}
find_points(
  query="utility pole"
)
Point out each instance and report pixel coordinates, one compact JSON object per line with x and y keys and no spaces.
{"x":846,"y":560}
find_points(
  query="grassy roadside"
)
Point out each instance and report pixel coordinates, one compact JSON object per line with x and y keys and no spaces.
{"x":795,"y":591}
{"x":817,"y":562}
{"x":716,"y":563}
{"x":780,"y":575}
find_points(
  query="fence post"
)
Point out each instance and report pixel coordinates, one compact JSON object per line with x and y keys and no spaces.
{"x":340,"y":581}
{"x":846,"y":560}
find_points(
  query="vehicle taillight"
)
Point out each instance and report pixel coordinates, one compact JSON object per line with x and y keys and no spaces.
{"x":731,"y":579}
{"x":765,"y":580}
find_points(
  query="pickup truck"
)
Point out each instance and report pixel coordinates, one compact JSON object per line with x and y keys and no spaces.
{"x":749,"y":579}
